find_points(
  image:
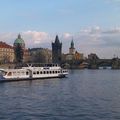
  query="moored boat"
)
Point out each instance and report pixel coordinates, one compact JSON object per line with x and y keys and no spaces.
{"x":31,"y":72}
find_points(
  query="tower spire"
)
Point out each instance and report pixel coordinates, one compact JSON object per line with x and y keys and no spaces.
{"x":72,"y":49}
{"x":72,"y":43}
{"x":57,"y":39}
{"x":56,"y":51}
{"x":19,"y":36}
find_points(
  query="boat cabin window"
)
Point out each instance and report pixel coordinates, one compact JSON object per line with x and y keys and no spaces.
{"x":34,"y":72}
{"x":10,"y":73}
{"x":40,"y":72}
{"x":27,"y":73}
{"x":37,"y":72}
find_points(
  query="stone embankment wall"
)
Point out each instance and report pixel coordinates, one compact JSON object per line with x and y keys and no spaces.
{"x":6,"y":66}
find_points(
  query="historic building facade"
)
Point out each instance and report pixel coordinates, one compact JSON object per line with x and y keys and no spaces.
{"x":57,"y":51}
{"x":6,"y":53}
{"x":41,"y":55}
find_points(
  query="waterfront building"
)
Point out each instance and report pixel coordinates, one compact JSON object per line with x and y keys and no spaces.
{"x":69,"y":57}
{"x":26,"y":55}
{"x":73,"y":55}
{"x":6,"y":53}
{"x":78,"y":56}
{"x":41,"y":55}
{"x":93,"y":61}
{"x":56,"y":51}
{"x":92,"y":56}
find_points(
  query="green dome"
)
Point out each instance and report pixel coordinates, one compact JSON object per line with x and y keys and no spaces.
{"x":19,"y":41}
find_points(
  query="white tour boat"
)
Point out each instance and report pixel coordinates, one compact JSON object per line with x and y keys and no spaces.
{"x":31,"y":72}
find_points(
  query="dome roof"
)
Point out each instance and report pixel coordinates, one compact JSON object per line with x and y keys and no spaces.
{"x":20,"y":41}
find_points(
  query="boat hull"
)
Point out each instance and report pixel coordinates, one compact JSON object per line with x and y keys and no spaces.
{"x":29,"y":79}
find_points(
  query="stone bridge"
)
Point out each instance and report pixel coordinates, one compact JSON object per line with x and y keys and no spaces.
{"x":104,"y":62}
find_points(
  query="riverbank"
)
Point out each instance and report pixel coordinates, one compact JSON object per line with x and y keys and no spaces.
{"x":6,"y":66}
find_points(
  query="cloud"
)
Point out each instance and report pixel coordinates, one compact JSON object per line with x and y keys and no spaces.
{"x":112,"y":31}
{"x":67,"y":35}
{"x":106,"y":38}
{"x":7,"y":37}
{"x":104,"y":42}
{"x":31,"y":38}
{"x":92,"y":39}
{"x":35,"y":37}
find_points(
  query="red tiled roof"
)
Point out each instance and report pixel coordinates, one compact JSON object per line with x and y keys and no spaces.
{"x":5,"y":45}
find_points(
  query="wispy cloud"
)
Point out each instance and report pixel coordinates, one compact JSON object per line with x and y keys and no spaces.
{"x":35,"y":37}
{"x":112,"y":31}
{"x":67,"y":35}
{"x":105,"y":43}
{"x":93,"y":39}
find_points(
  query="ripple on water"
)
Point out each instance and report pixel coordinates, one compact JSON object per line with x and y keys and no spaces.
{"x":84,"y":95}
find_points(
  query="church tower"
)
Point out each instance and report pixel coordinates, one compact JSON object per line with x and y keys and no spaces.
{"x":72,"y":49}
{"x":56,"y":51}
{"x":19,"y":47}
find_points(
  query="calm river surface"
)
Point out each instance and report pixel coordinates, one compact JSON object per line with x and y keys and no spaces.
{"x":84,"y":95}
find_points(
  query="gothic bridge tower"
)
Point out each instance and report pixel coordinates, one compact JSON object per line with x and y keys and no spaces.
{"x":56,"y":51}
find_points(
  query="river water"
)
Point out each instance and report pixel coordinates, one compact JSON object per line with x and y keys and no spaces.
{"x":84,"y":95}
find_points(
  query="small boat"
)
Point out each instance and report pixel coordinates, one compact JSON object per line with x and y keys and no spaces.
{"x":30,"y":72}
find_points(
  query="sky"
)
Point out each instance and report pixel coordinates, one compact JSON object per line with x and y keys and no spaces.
{"x":94,"y":25}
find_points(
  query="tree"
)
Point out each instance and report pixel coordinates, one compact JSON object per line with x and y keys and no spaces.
{"x":19,"y":53}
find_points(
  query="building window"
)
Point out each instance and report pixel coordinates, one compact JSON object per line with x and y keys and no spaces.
{"x":37,"y":72}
